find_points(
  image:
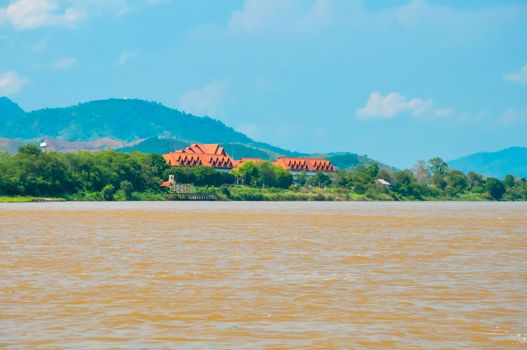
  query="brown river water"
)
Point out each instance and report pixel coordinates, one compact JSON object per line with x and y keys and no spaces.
{"x":183,"y":275}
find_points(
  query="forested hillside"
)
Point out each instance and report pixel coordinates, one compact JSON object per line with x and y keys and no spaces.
{"x":512,"y":160}
{"x":139,"y":125}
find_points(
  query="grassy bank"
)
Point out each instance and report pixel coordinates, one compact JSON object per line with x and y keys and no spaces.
{"x":32,"y":175}
{"x":25,"y":199}
{"x":246,"y":193}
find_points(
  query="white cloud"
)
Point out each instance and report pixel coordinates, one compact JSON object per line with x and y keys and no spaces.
{"x":30,"y":14}
{"x":64,"y":63}
{"x":126,"y":56}
{"x":419,"y":14}
{"x":513,"y":116}
{"x":306,"y":15}
{"x":115,"y":7}
{"x":394,"y":104}
{"x":260,"y":15}
{"x":519,"y":76}
{"x":11,"y":83}
{"x":206,"y":100}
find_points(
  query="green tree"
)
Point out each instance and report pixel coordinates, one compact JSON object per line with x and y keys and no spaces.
{"x":456,"y":182}
{"x":475,"y":180}
{"x":200,"y":176}
{"x":405,"y":185}
{"x":127,"y":188}
{"x":438,"y":166}
{"x":264,"y":174}
{"x":108,"y":192}
{"x":439,"y":169}
{"x":29,"y":150}
{"x":386,"y":174}
{"x":320,"y":179}
{"x":302,"y":178}
{"x":373,"y":171}
{"x":509,"y":181}
{"x":422,"y":172}
{"x":495,"y":188}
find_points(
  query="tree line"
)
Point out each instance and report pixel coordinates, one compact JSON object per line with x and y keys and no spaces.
{"x":109,"y":175}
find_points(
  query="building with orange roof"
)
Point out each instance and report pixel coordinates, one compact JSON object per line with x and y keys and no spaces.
{"x":309,"y":165}
{"x":209,"y":155}
{"x":215,"y":156}
{"x":205,"y":148}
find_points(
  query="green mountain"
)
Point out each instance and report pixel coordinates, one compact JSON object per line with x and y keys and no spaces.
{"x":346,"y":160}
{"x":161,"y":145}
{"x":121,"y":119}
{"x":9,"y":109}
{"x":511,"y":160}
{"x":155,"y":145}
{"x":132,"y":124}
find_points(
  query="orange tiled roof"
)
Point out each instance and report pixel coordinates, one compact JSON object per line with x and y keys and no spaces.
{"x":211,"y":155}
{"x":305,"y":164}
{"x":239,"y":162}
{"x":188,"y":159}
{"x":204,"y":148}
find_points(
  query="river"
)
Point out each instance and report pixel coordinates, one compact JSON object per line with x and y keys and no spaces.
{"x":247,"y":275}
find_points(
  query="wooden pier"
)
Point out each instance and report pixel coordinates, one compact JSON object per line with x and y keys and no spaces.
{"x":186,"y":192}
{"x":190,"y":197}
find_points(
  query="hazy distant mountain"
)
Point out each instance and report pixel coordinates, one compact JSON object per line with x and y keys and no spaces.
{"x":160,"y":145}
{"x":497,"y":164}
{"x":12,"y":145}
{"x":346,"y":160}
{"x":342,"y":160}
{"x":9,"y":109}
{"x":131,"y":124}
{"x":121,"y":119}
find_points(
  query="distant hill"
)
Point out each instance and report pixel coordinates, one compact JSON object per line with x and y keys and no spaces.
{"x":10,"y":109}
{"x":342,"y":160}
{"x":497,"y":164}
{"x":135,"y":125}
{"x":155,"y":145}
{"x":121,"y":119}
{"x":161,"y":145}
{"x":12,"y":145}
{"x":346,"y":160}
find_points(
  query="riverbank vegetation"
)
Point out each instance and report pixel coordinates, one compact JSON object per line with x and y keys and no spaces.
{"x":31,"y":175}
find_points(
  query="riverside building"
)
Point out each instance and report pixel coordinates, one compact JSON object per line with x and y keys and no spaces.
{"x":215,"y":156}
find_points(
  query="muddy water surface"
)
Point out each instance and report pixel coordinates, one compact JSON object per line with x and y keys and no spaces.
{"x":263,"y":276}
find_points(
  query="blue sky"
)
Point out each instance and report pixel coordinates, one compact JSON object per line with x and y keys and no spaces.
{"x":397,"y":80}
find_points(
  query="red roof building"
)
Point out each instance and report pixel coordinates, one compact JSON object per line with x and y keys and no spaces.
{"x":204,"y":148}
{"x":310,"y":165}
{"x":210,"y":155}
{"x":213,"y":155}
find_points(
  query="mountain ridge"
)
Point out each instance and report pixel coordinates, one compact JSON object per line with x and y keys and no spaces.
{"x":133,"y":125}
{"x":511,"y":160}
{"x":122,"y":119}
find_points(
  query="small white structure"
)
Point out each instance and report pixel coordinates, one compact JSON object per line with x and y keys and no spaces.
{"x":44,"y":146}
{"x":383,"y":182}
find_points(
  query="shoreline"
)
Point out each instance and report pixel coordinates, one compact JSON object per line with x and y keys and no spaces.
{"x":7,"y":200}
{"x":17,"y":199}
